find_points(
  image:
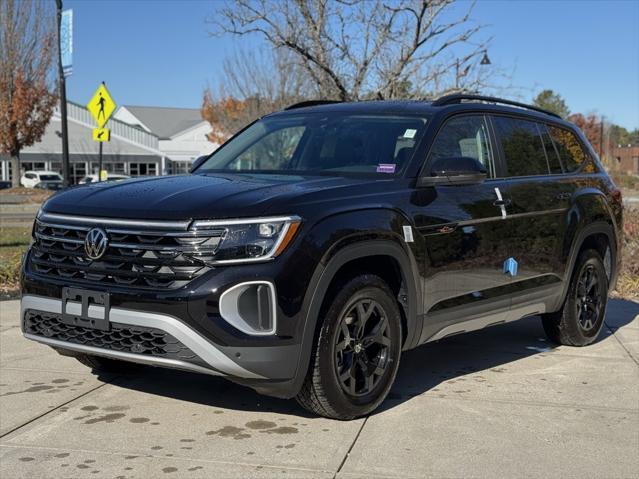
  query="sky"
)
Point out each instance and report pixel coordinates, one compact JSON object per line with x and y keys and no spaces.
{"x":159,"y":52}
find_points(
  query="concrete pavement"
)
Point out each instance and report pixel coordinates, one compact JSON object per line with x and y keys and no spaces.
{"x":502,"y":402}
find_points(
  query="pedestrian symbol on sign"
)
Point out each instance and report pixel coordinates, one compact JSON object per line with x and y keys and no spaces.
{"x":101,"y":106}
{"x":101,"y":103}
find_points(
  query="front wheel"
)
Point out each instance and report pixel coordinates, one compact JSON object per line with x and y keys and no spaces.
{"x":581,"y":318}
{"x":357,"y":353}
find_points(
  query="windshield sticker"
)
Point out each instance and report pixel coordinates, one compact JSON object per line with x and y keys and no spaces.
{"x":410,"y":133}
{"x":386,"y":168}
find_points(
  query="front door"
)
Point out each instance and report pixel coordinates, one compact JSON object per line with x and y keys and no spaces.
{"x":466,"y":233}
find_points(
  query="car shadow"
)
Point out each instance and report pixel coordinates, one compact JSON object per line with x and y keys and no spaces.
{"x":421,"y":370}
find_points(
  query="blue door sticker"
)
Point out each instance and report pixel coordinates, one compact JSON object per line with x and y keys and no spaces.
{"x":510,"y":267}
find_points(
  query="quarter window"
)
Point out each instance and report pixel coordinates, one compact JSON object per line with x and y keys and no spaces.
{"x":522,"y":146}
{"x":570,"y":151}
{"x":464,"y":136}
{"x":554,"y":163}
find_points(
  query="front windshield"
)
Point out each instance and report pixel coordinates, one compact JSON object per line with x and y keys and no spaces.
{"x":320,"y":143}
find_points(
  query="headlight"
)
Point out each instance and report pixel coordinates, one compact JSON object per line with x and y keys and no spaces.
{"x":249,"y":240}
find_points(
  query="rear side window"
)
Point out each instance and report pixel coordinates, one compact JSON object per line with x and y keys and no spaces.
{"x":522,"y":146}
{"x":570,"y":151}
{"x":464,"y":136}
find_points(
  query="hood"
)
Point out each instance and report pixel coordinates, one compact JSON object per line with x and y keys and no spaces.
{"x":203,"y":196}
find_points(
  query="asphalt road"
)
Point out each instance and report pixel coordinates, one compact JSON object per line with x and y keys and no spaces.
{"x":502,"y":402}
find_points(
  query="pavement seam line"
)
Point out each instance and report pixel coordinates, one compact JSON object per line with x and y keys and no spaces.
{"x":52,"y":410}
{"x":613,"y":331}
{"x":142,"y":455}
{"x":339,"y":469}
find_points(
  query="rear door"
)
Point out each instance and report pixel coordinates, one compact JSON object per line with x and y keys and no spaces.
{"x":540,"y":197}
{"x":466,"y":236}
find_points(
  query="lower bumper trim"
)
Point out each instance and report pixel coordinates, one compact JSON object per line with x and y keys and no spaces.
{"x":220,"y":363}
{"x":136,"y":358}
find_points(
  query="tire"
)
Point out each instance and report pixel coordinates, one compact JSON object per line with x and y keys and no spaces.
{"x":581,"y":318}
{"x":106,"y":365}
{"x":361,"y":332}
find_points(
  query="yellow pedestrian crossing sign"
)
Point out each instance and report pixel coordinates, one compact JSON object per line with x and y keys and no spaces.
{"x":101,"y":134}
{"x":101,"y":105}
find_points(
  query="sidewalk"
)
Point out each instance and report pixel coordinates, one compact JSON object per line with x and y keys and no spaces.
{"x":497,"y":403}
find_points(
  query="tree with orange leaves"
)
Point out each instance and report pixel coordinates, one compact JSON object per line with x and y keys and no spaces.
{"x":27,"y":97}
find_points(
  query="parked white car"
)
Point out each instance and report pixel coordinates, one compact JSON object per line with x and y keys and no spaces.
{"x":110,"y":177}
{"x":32,"y":178}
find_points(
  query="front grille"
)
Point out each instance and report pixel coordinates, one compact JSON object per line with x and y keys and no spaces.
{"x":140,"y":257}
{"x":121,"y":337}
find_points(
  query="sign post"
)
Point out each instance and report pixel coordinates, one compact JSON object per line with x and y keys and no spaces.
{"x":101,"y":107}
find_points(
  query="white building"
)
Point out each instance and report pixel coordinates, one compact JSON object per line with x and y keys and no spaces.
{"x":181,"y":133}
{"x":145,"y":141}
{"x":132,"y":151}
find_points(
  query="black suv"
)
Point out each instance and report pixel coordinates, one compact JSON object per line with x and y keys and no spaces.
{"x":305,"y":254}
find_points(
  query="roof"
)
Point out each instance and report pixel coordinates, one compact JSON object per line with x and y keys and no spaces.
{"x":416,"y":107}
{"x":81,"y":142}
{"x":166,"y":122}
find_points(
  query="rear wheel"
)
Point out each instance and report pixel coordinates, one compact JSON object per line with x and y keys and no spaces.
{"x":581,"y":318}
{"x":357,"y":352}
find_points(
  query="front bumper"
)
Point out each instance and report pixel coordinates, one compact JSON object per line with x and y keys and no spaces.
{"x":159,"y":339}
{"x":205,"y":356}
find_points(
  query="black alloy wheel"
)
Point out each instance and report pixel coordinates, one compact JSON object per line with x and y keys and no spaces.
{"x":357,"y":349}
{"x":581,"y":317}
{"x":589,"y":298}
{"x":362,"y":347}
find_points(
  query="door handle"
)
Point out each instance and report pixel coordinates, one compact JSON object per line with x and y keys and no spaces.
{"x":502,"y":202}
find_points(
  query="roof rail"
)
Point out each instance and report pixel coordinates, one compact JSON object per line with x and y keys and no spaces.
{"x":306,"y":103}
{"x":459,"y":97}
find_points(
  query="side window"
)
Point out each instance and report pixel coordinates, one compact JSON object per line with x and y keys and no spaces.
{"x":554,"y":163}
{"x":522,"y":146}
{"x":464,"y":136}
{"x":570,"y":151}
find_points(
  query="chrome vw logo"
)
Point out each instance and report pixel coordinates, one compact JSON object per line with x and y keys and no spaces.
{"x":95,"y":243}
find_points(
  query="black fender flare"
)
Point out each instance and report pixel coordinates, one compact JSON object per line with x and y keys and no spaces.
{"x":599,"y":227}
{"x":324,"y":275}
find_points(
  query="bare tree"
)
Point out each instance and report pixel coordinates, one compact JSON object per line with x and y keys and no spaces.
{"x":354,"y":49}
{"x":253,"y":84}
{"x":27,"y":97}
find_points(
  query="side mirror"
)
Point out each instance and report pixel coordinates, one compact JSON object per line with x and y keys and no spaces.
{"x":197,"y":162}
{"x":457,"y":170}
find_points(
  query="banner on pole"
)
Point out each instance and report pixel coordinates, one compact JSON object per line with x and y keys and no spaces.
{"x":66,"y":42}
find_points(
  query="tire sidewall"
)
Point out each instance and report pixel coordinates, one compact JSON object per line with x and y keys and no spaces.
{"x":589,"y":258}
{"x":371,"y":288}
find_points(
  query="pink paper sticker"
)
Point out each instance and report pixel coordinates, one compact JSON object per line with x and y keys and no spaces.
{"x":386,"y":168}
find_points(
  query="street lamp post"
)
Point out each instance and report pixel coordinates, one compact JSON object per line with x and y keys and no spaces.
{"x":484,"y":61}
{"x":63,"y":103}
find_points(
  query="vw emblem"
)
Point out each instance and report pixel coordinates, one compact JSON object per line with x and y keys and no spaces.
{"x":95,"y":243}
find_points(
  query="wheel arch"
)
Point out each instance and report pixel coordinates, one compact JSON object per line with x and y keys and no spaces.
{"x":342,"y":259}
{"x":598,"y":236}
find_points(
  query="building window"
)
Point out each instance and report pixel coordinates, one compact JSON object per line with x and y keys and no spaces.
{"x":78,"y":171}
{"x":179,"y":167}
{"x":143,"y":169}
{"x":33,"y":165}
